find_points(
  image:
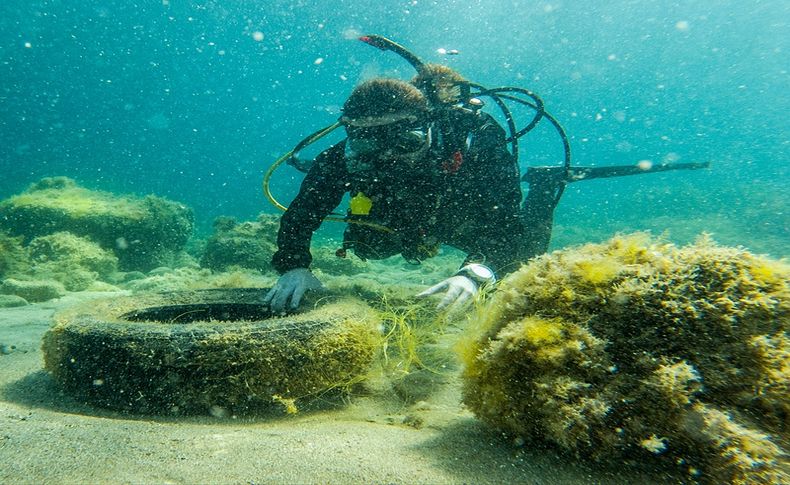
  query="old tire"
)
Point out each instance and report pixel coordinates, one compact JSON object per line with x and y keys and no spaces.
{"x":207,"y":350}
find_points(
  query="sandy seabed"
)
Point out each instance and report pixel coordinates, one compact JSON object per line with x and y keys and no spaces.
{"x":47,"y":437}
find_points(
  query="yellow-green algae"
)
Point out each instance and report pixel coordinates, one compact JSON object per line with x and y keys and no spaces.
{"x":251,"y":245}
{"x":163,"y":367}
{"x":13,"y":255}
{"x":143,"y":232}
{"x":76,"y":262}
{"x":639,"y":347}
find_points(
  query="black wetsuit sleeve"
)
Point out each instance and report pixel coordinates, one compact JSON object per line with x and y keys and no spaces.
{"x":320,"y":193}
{"x":500,"y":231}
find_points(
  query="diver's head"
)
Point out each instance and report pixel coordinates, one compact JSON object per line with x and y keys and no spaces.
{"x":440,"y":83}
{"x":386,"y":120}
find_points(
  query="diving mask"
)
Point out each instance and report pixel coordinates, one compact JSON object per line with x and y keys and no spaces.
{"x":401,"y":140}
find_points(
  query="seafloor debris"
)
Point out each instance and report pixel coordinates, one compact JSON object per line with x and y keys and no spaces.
{"x":638,"y":347}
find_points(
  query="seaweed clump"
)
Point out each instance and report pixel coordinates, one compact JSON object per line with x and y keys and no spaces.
{"x":636,"y":347}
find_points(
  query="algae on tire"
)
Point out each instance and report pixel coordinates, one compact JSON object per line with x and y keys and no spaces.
{"x":199,"y":351}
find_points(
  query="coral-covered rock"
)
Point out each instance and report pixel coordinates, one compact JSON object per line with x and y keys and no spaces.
{"x":640,"y":347}
{"x":142,"y":232}
{"x":251,"y":245}
{"x":13,"y":256}
{"x":327,"y":261}
{"x":33,"y":291}
{"x":75,"y":261}
{"x":246,"y":244}
{"x":12,"y":301}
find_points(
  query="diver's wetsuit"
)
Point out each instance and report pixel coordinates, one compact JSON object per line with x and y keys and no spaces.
{"x":466,"y":194}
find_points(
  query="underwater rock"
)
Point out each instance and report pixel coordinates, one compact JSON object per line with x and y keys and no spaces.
{"x":125,"y":277}
{"x":13,"y":256}
{"x":251,"y":245}
{"x":32,"y":291}
{"x":11,"y":301}
{"x":142,"y":232}
{"x":75,"y":261}
{"x":326,"y":260}
{"x":178,"y":279}
{"x":639,"y":348}
{"x":66,"y":248}
{"x":103,"y":287}
{"x":246,"y":244}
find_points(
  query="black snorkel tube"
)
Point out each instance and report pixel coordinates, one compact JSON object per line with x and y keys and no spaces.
{"x":386,"y":44}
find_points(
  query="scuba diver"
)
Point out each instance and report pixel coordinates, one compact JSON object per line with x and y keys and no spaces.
{"x":424,"y":166}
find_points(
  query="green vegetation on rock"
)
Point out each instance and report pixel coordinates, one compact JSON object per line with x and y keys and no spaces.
{"x":142,"y":232}
{"x":246,"y":244}
{"x":251,"y":245}
{"x":75,"y":261}
{"x":32,"y":291}
{"x":638,"y":347}
{"x":13,"y":256}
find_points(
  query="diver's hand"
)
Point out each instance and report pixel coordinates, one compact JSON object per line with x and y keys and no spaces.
{"x":459,"y":290}
{"x":290,"y":287}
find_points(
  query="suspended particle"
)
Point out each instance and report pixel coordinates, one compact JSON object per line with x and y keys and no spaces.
{"x":644,"y":164}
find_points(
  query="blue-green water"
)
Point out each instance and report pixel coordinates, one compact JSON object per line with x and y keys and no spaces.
{"x":194,"y":100}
